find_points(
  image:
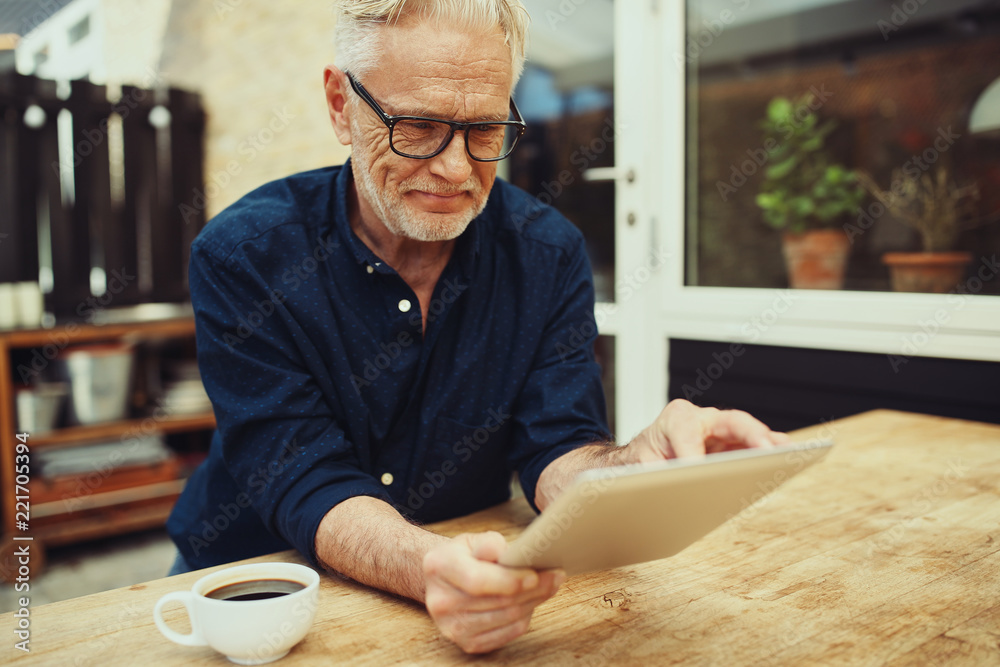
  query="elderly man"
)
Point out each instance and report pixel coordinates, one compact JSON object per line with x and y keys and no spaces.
{"x":383,"y":345}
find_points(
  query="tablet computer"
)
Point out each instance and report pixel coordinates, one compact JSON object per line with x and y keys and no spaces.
{"x":622,"y":515}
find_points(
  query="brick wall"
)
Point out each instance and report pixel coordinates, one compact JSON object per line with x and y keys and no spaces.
{"x":259,"y":68}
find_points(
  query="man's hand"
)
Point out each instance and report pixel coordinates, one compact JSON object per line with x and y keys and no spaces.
{"x":684,"y":429}
{"x":476,"y":603}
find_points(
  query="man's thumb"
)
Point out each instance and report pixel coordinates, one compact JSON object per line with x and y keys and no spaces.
{"x":487,"y":546}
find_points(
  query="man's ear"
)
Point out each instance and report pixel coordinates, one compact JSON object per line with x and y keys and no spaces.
{"x":335,"y":83}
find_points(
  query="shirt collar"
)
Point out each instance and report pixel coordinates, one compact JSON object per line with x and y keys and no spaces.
{"x":466,"y":249}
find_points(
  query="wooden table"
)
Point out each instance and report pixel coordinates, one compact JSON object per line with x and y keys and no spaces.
{"x":886,"y":553}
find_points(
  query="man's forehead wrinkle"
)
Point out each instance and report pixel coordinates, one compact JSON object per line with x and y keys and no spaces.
{"x":438,"y":95}
{"x":473,"y":72}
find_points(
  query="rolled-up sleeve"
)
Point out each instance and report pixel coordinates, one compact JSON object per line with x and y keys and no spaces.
{"x":561,"y":406}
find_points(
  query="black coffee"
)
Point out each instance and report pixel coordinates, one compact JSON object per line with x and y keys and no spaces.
{"x":259,"y":589}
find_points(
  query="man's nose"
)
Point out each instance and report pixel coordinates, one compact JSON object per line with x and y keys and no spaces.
{"x":454,"y":162}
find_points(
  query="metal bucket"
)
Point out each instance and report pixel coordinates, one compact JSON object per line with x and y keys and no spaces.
{"x":100,"y":377}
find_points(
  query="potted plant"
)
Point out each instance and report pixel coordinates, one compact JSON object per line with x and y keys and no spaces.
{"x":938,"y":210}
{"x":805,"y":194}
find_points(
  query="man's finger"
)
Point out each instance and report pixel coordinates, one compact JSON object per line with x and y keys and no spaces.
{"x":738,"y":427}
{"x":778,"y":438}
{"x":548,"y":586}
{"x":504,"y":615}
{"x":479,"y":578}
{"x":456,"y":565}
{"x":549,"y":583}
{"x":494,"y":638}
{"x":685,"y":438}
{"x":488,"y":546}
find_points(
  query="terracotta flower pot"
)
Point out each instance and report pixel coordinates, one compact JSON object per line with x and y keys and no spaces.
{"x":936,"y":272}
{"x":816,"y":259}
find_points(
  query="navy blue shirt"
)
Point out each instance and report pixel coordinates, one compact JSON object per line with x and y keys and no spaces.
{"x":325,"y":387}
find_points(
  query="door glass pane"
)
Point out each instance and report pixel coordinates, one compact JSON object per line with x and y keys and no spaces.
{"x":566,"y":96}
{"x":793,"y":106}
{"x":604,"y":352}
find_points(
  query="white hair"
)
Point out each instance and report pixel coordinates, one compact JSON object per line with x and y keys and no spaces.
{"x":359,"y":24}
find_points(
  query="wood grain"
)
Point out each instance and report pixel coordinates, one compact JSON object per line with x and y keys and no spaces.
{"x":886,"y":553}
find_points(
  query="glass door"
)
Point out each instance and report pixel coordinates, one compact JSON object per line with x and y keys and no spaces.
{"x":583,"y":155}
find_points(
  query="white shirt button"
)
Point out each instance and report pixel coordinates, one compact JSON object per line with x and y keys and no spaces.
{"x":371,"y":269}
{"x":405,"y":305}
{"x":387,"y":478}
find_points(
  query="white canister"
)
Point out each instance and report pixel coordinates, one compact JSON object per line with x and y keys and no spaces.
{"x":30,"y":305}
{"x":8,"y":306}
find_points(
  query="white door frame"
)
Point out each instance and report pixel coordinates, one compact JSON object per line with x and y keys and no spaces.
{"x":642,"y":258}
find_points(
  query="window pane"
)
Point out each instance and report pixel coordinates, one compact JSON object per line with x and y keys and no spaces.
{"x":604,"y":353}
{"x":566,"y":98}
{"x":896,"y":96}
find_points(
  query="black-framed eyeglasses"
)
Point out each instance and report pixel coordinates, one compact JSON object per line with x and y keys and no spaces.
{"x":422,"y":138}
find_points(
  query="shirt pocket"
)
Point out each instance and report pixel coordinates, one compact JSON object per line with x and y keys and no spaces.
{"x":466,"y":469}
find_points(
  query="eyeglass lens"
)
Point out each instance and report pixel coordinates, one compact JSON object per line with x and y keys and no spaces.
{"x":421,"y":138}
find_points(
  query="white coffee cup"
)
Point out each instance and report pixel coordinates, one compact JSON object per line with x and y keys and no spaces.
{"x":248,"y":632}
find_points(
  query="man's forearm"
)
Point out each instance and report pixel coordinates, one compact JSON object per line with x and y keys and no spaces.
{"x":559,"y":474}
{"x":367,"y":540}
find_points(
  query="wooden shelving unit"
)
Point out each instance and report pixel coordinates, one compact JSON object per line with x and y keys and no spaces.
{"x":74,"y":508}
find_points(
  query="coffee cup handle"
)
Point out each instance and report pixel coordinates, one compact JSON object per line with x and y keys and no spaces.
{"x":193,"y":638}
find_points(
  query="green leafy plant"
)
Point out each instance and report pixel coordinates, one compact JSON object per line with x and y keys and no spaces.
{"x":803,"y":188}
{"x":931,"y":204}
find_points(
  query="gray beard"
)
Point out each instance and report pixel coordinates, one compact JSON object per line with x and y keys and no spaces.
{"x":395,"y":215}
